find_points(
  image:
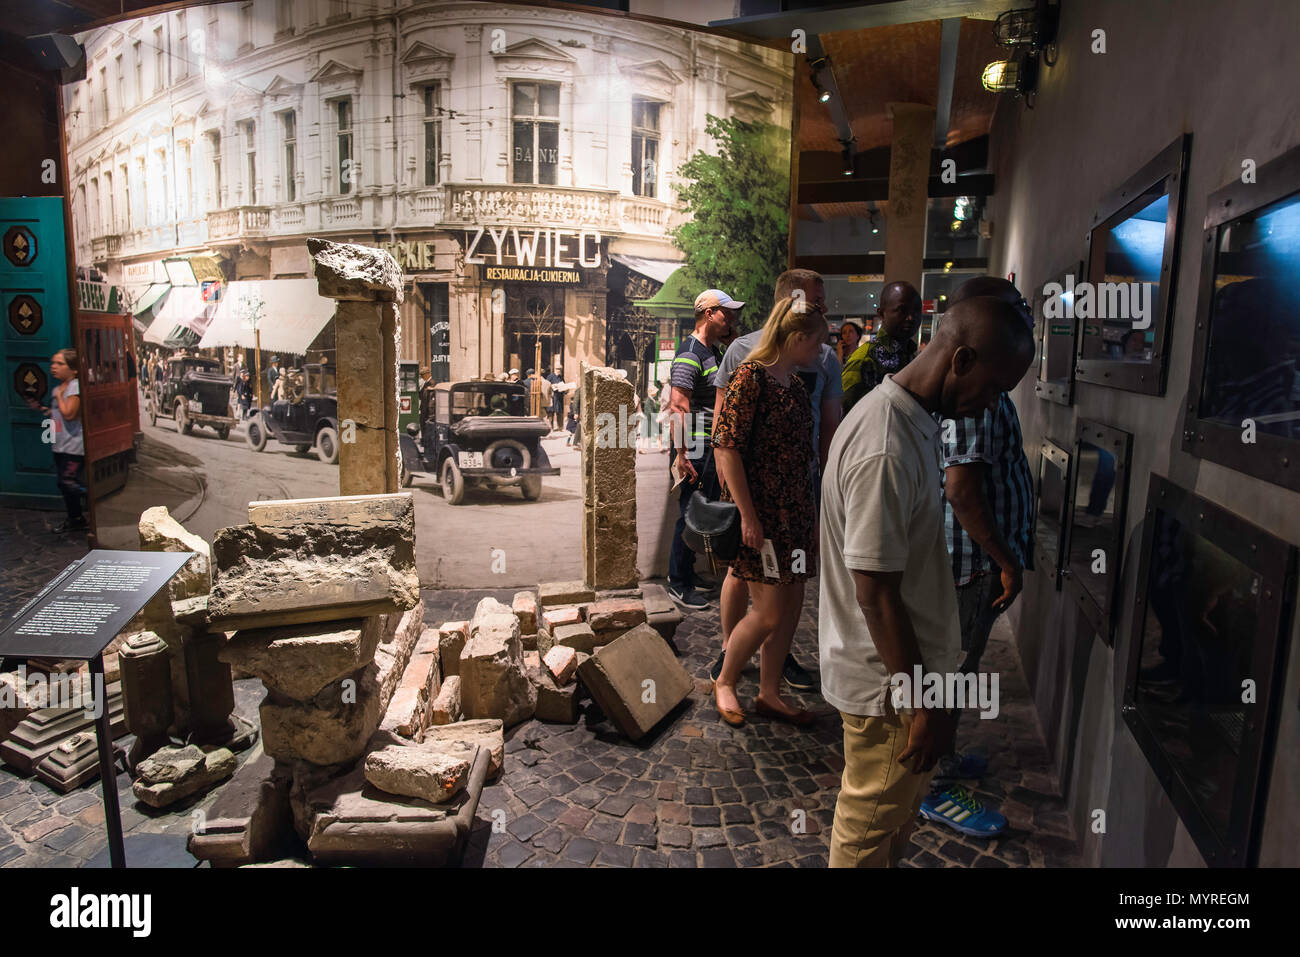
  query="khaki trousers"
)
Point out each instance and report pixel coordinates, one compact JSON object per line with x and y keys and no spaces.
{"x":879,"y":798}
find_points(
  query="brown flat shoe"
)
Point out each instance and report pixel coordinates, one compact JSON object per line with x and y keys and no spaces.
{"x":730,"y":715}
{"x":802,"y":718}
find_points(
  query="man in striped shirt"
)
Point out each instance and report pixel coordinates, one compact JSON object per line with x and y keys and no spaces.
{"x":988,"y":526}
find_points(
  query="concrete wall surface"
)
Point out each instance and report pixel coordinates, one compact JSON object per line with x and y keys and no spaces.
{"x":1228,"y":74}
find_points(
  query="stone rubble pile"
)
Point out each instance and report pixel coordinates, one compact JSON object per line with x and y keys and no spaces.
{"x":326,"y":602}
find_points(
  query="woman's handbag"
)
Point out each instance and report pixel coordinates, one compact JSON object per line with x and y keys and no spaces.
{"x":712,"y":527}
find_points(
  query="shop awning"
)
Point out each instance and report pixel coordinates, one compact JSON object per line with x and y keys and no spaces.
{"x":660,"y":270}
{"x":290,"y":314}
{"x":185,"y":306}
{"x":676,"y":300}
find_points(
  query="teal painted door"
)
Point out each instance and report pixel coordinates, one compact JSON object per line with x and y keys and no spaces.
{"x":37,"y":323}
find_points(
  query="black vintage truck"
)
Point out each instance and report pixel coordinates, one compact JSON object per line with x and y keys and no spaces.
{"x":193,"y":391}
{"x":478,"y":433}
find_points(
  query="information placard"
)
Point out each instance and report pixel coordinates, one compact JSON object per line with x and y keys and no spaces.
{"x":85,"y":606}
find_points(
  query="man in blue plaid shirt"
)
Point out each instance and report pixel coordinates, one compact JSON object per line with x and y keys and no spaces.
{"x":988,"y":524}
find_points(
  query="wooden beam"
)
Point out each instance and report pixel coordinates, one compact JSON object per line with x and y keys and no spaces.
{"x":869,"y":264}
{"x":877,"y":190}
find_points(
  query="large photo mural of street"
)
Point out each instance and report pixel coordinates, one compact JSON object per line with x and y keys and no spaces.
{"x":557,"y":186}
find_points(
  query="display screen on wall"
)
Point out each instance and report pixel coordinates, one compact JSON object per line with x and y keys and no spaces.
{"x":1053,"y":513}
{"x":1201,"y":690}
{"x":1244,"y":404}
{"x":1055,"y":332}
{"x":1099,"y":497}
{"x":1125,"y":307}
{"x":505,"y":155}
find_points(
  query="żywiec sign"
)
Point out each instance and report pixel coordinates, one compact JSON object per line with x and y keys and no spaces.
{"x":509,"y":254}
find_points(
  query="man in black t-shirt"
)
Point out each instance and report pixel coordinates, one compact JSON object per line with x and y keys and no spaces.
{"x":694,"y":371}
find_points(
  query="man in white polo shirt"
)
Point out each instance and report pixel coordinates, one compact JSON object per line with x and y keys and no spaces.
{"x":887,"y":600}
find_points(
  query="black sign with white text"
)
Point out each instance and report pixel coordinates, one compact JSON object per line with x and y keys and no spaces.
{"x":85,"y":606}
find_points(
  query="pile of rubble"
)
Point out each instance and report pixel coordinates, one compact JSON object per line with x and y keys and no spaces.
{"x":553,"y":648}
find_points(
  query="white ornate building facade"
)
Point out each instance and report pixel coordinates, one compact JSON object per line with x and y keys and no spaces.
{"x":507,"y":156}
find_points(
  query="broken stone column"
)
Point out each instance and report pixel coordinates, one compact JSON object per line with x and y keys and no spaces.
{"x":174,"y":774}
{"x":367,"y":285}
{"x":609,"y":537}
{"x":145,"y":663}
{"x":213,"y":721}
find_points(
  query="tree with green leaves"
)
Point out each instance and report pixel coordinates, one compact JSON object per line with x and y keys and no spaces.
{"x":738,"y":201}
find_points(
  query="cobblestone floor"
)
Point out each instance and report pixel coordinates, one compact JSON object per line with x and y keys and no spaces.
{"x":699,"y":793}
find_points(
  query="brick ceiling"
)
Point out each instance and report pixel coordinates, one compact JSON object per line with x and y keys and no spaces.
{"x":898,"y":64}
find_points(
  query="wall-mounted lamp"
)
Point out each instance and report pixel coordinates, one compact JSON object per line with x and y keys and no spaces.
{"x":816,"y":66}
{"x":1027,"y":33}
{"x":871,"y":215}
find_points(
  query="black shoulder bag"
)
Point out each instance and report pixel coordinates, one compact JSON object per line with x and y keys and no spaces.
{"x":714,"y":527}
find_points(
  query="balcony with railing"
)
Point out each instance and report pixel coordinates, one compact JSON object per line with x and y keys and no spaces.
{"x":421,"y":207}
{"x":644,"y":216}
{"x":239,"y":223}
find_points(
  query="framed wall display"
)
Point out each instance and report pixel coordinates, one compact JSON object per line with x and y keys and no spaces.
{"x":1125,"y":309}
{"x":1052,"y":514}
{"x":1243,"y":404}
{"x":1098,"y":498}
{"x":1055,"y":331}
{"x":1204,"y":676}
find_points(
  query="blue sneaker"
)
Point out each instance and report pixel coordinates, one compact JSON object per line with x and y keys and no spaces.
{"x":957,"y":808}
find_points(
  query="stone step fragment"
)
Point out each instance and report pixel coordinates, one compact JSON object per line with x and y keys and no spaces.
{"x":297,"y":661}
{"x":357,"y":512}
{"x":446,"y":707}
{"x":550,"y":594}
{"x":173,"y":774}
{"x":579,"y":637}
{"x":451,"y":639}
{"x":250,"y":821}
{"x":617,"y":676}
{"x":615,"y":614}
{"x":487,"y":733}
{"x":41,"y":731}
{"x":555,"y":703}
{"x":268,"y":576}
{"x":419,"y":771}
{"x":72,"y":763}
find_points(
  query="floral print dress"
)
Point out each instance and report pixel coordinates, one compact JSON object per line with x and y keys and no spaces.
{"x":771,"y":425}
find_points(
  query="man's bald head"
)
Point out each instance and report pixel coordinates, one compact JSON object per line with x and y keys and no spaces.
{"x":998,"y":288}
{"x":982,"y":349}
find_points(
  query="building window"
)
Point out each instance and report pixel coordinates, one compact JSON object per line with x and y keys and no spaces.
{"x":214,"y":148}
{"x":290,"y":156}
{"x":146,"y":216}
{"x":103,"y":94}
{"x":185,"y":202}
{"x":283,"y":17}
{"x":338,"y":10}
{"x":121,"y":84}
{"x":181,"y":55}
{"x":432,"y":132}
{"x":645,"y":147}
{"x":139,"y":72}
{"x":535,"y":111}
{"x":245,"y":27}
{"x":249,"y":131}
{"x":126,"y":191}
{"x":164,"y":203}
{"x":94,"y":206}
{"x":343,"y":120}
{"x":159,"y":61}
{"x":112,"y":203}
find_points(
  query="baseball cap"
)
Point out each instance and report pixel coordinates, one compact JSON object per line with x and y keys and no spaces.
{"x":514,"y":372}
{"x":715,"y":297}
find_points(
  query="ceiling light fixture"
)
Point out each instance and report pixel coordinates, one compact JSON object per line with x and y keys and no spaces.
{"x":1026,"y":33}
{"x":846,"y":156}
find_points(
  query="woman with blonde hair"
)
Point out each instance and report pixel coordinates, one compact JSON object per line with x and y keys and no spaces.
{"x":763,"y":446}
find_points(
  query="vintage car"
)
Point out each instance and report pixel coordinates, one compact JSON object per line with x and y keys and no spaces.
{"x":307,"y":416}
{"x":193,"y":391}
{"x":478,"y":433}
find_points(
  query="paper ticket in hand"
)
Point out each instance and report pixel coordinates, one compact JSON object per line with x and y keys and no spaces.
{"x":771,"y":568}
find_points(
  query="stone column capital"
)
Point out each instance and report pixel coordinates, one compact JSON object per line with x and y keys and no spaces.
{"x":348,"y":271}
